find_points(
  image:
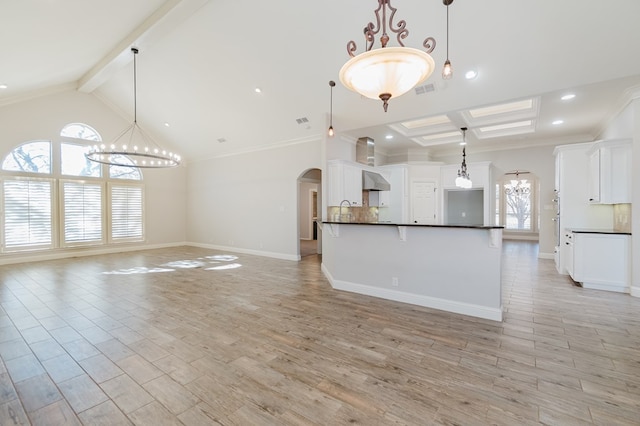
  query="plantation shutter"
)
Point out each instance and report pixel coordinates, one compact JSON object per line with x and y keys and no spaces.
{"x":27,"y":213}
{"x":82,"y":212}
{"x":126,"y":212}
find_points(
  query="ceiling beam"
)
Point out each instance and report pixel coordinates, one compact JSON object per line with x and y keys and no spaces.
{"x":160,"y":23}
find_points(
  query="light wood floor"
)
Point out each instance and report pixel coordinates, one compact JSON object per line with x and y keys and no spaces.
{"x":187,"y":336}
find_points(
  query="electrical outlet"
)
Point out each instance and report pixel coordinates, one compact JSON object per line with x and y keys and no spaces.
{"x":394,"y":281}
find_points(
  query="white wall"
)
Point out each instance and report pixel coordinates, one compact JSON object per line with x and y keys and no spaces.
{"x":538,"y":160}
{"x":43,"y":117}
{"x":249,"y":202}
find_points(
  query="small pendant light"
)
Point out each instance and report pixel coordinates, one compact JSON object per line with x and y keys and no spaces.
{"x":447,"y":70}
{"x":331,"y":132}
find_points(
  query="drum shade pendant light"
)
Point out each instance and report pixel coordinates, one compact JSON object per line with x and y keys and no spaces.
{"x":331,"y":132}
{"x":463,"y":180}
{"x":133,"y":148}
{"x":386,"y":72}
{"x":447,"y":70}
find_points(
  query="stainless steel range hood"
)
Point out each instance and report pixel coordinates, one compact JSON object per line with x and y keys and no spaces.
{"x":374,"y":182}
{"x":365,"y":154}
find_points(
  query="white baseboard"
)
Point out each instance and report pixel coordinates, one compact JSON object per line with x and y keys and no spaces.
{"x":608,"y":287}
{"x":273,"y":255}
{"x":65,"y":253}
{"x":549,"y":256}
{"x":634,"y":291}
{"x":416,"y":299}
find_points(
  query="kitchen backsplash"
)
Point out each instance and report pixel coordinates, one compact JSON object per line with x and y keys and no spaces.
{"x":622,"y":217}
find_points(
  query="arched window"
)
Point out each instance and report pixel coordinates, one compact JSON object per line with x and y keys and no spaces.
{"x":80,"y":131}
{"x":31,"y":157}
{"x":83,"y":202}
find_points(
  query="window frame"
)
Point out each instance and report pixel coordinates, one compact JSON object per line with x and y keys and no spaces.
{"x":63,"y":217}
{"x":123,"y":184}
{"x":57,"y":182}
{"x":52,"y":216}
{"x":501,"y":203}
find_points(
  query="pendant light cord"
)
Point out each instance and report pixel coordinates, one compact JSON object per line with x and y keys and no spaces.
{"x":447,"y":32}
{"x":135,"y":86}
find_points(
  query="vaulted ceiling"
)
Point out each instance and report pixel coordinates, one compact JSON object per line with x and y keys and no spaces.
{"x":200,"y":62}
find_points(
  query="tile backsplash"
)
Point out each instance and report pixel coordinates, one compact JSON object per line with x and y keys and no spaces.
{"x":622,"y":217}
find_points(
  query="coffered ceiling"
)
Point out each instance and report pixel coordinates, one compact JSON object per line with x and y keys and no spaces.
{"x":201,"y":61}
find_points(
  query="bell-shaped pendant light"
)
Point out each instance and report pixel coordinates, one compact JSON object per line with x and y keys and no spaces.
{"x":387,"y":72}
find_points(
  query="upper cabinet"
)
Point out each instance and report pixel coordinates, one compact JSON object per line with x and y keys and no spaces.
{"x":345,"y":183}
{"x":609,"y":172}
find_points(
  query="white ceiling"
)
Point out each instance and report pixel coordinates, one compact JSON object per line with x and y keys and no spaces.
{"x":200,"y":61}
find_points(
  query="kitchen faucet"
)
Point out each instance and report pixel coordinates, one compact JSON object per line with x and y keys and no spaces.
{"x":340,"y":211}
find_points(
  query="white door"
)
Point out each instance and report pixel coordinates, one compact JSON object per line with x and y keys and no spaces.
{"x":423,"y":202}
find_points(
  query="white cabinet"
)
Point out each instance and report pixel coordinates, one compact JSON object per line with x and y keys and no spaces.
{"x":393,"y":203}
{"x":609,"y":179}
{"x":379,"y":198}
{"x":575,"y":210}
{"x":345,"y":183}
{"x":600,"y":261}
{"x":568,"y":242}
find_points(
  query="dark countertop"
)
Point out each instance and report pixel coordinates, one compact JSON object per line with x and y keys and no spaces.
{"x":596,"y":231}
{"x":415,"y":224}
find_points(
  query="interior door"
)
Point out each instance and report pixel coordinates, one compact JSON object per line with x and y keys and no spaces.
{"x":423,"y":202}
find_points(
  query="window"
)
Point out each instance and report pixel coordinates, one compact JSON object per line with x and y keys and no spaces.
{"x":516,"y":202}
{"x":80,"y":131}
{"x":74,"y":163}
{"x":122,"y":172}
{"x":27,"y":213}
{"x":126,"y":212}
{"x":32,"y":157}
{"x":82,"y":212}
{"x":71,"y":207}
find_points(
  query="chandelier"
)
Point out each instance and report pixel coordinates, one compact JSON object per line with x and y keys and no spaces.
{"x":388,"y":71}
{"x":133,"y":148}
{"x":463,"y":180}
{"x":517,"y":187}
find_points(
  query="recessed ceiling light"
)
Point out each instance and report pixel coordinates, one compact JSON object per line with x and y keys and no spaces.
{"x":568,"y":97}
{"x":471,"y":74}
{"x":557,"y":122}
{"x":388,"y":137}
{"x":3,"y":86}
{"x":166,"y":124}
{"x":258,"y":90}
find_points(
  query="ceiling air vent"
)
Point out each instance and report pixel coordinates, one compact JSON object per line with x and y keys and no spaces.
{"x":303,"y":121}
{"x":426,"y":88}
{"x":222,"y":140}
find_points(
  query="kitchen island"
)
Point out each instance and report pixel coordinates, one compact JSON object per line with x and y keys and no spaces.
{"x":455,"y":268}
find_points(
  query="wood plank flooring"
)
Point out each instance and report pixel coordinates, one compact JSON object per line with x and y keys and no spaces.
{"x":196,"y":337}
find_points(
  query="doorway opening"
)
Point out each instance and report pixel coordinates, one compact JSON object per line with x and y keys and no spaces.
{"x":309,"y":213}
